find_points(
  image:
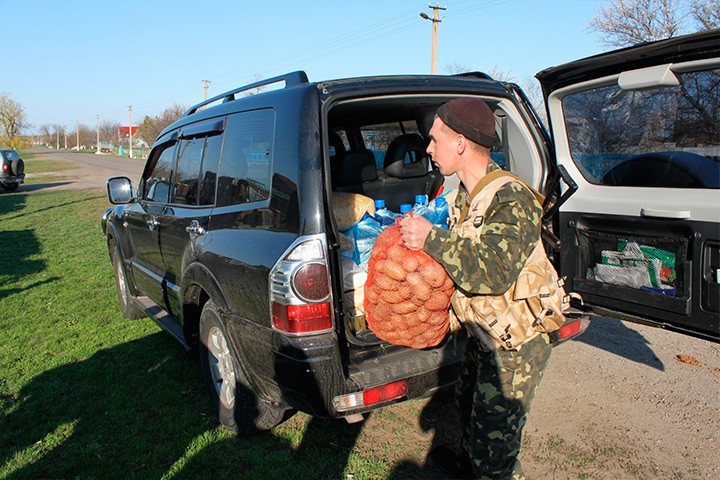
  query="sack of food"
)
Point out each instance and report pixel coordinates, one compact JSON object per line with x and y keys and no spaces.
{"x":349,"y":208}
{"x":407,"y":294}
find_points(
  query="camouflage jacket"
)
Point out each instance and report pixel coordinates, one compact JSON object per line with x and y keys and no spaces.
{"x":510,"y":231}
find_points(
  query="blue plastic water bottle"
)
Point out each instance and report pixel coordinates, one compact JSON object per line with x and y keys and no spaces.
{"x":405,"y":208}
{"x":441,"y":213}
{"x":421,"y":206}
{"x":384,"y":216}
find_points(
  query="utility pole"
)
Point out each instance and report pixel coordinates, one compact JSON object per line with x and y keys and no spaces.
{"x":97,"y":131}
{"x":130,"y":128}
{"x":205,"y":88}
{"x":77,"y":136}
{"x":435,"y":20}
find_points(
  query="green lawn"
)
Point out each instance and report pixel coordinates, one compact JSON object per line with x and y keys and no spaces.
{"x":86,"y":394}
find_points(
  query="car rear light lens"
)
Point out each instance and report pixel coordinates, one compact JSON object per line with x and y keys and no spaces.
{"x":5,"y":167}
{"x":304,"y":318}
{"x":300,"y":297}
{"x":569,"y":329}
{"x":371,"y":396}
{"x":310,"y":282}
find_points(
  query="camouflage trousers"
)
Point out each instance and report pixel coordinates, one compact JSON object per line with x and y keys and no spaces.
{"x":493,"y":399}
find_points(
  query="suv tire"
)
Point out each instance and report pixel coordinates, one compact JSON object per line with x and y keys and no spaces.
{"x":240,"y":410}
{"x":17,"y":167}
{"x":129,"y":309}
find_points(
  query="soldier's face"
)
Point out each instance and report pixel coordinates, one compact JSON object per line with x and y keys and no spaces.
{"x":443,"y":148}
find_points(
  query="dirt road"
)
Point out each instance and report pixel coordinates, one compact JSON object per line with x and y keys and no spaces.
{"x":88,"y":171}
{"x":624,"y":401}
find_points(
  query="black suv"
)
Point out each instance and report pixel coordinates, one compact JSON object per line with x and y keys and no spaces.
{"x":13,"y":170}
{"x":231,"y":243}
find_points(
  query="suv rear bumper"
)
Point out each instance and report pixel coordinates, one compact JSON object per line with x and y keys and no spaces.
{"x":13,"y":179}
{"x":308,"y":372}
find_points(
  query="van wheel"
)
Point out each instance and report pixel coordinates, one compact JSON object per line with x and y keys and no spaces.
{"x":239,"y":408}
{"x":127,"y":306}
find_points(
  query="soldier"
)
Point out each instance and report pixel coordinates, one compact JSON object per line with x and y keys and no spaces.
{"x":484,"y":254}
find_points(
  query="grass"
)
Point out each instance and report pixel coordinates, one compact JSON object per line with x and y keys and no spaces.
{"x":86,"y":394}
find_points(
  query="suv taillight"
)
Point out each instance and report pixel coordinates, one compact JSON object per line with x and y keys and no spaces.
{"x":300,"y":289}
{"x":5,"y":167}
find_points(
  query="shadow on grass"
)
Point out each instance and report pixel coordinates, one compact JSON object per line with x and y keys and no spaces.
{"x":140,"y":410}
{"x":33,"y":187}
{"x":17,"y":262}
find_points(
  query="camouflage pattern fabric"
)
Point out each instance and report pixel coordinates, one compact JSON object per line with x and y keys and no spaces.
{"x":493,"y":399}
{"x":509,"y":232}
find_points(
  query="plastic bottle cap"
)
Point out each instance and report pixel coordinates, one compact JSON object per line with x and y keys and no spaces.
{"x":380,"y":203}
{"x":440,"y":202}
{"x":421,"y":199}
{"x":405,"y":208}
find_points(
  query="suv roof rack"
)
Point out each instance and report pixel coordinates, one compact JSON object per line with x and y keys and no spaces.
{"x":291,"y":79}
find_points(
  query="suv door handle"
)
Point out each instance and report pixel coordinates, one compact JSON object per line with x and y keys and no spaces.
{"x":152,"y":223}
{"x":195,"y":229}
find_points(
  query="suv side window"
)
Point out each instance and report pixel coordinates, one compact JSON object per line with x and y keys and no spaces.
{"x":157,"y":184}
{"x":245,"y":170}
{"x":208,"y":169}
{"x":185,"y":185}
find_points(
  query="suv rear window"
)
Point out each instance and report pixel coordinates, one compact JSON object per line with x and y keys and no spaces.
{"x":659,"y":137}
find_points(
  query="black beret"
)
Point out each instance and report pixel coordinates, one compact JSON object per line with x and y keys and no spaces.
{"x":470,"y":117}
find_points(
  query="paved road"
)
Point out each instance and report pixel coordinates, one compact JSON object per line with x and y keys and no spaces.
{"x":88,"y":172}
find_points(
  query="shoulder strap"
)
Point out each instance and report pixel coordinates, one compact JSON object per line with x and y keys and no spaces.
{"x":491,"y":177}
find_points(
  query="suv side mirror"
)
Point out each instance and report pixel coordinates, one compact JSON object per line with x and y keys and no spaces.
{"x":120,"y":190}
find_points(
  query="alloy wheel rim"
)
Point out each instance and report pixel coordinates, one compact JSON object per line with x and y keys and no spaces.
{"x":222,"y":368}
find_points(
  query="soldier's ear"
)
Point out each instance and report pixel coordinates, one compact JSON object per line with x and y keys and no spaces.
{"x":460,"y":144}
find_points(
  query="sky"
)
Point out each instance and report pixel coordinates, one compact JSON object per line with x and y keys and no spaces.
{"x":77,"y":61}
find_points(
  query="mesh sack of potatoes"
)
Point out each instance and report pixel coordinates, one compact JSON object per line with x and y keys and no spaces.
{"x":407,"y":294}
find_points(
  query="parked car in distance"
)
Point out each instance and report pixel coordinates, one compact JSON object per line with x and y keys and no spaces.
{"x":13,"y":170}
{"x":230,"y":242}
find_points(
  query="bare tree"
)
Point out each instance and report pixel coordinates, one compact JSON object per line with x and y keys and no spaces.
{"x":151,"y":127}
{"x":109,"y":131}
{"x":12,"y":122}
{"x":706,"y":13}
{"x":628,"y":22}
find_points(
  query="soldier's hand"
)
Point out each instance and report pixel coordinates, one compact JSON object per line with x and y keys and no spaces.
{"x":414,"y":230}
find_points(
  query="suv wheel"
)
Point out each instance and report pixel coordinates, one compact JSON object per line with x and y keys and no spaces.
{"x":127,"y":306}
{"x":239,"y":409}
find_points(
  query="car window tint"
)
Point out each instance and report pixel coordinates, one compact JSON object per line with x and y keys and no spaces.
{"x":208,"y":171}
{"x":157,"y":182}
{"x":185,"y":185}
{"x":658,"y":137}
{"x":245,"y":167}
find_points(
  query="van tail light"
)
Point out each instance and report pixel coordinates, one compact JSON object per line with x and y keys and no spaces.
{"x":371,"y":396}
{"x":300,"y":289}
